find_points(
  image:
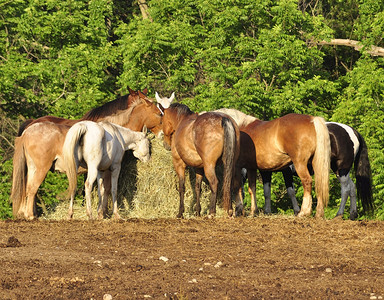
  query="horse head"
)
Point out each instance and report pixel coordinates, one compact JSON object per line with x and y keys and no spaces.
{"x":164,"y":102}
{"x":151,"y":114}
{"x":141,"y":148}
{"x":172,"y":117}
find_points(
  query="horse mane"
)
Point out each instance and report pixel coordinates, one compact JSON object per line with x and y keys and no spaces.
{"x":181,"y":109}
{"x":108,"y":109}
{"x":122,"y":117}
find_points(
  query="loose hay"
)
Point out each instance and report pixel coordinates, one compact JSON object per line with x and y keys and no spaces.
{"x":149,"y":190}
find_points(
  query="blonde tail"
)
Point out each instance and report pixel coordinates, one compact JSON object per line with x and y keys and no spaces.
{"x":321,"y":160}
{"x":19,"y":176}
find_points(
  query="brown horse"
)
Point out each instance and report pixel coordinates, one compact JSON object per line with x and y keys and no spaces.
{"x":107,"y":111}
{"x":199,"y":141}
{"x":294,"y":138}
{"x":39,"y":148}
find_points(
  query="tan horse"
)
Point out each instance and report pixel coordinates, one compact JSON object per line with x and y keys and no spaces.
{"x":200,"y":141}
{"x":294,"y":138}
{"x":39,"y":148}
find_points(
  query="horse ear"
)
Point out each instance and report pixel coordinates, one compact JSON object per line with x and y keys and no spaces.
{"x":144,"y":130}
{"x":145,"y":91}
{"x":172,"y":98}
{"x":132,"y":92}
{"x":158,"y":99}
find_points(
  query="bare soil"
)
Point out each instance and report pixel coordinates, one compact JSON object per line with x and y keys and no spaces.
{"x":198,"y":258}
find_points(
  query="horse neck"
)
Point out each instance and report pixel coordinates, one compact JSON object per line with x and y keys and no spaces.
{"x":135,"y":122}
{"x":129,"y":136}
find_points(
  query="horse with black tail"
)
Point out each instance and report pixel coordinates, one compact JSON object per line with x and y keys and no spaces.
{"x":200,"y":141}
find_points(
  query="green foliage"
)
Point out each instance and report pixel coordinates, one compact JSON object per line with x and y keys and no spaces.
{"x":5,"y":187}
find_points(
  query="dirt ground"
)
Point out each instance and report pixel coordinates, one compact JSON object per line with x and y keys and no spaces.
{"x":243,"y":258}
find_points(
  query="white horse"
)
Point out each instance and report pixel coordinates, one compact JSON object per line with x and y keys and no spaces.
{"x":99,"y":147}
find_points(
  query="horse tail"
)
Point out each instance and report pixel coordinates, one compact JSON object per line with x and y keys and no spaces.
{"x":321,"y":160}
{"x":363,"y":175}
{"x":19,"y":175}
{"x":230,"y":153}
{"x":71,"y":143}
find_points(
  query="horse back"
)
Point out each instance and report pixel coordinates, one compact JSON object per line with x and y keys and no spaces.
{"x":43,"y":143}
{"x":279,"y":140}
{"x":344,"y":145}
{"x":52,"y":119}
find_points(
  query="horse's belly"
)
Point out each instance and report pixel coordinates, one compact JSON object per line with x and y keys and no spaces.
{"x":190,"y":157}
{"x":272,"y":162}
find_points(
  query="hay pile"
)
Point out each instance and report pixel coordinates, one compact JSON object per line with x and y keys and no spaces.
{"x":148,"y":190}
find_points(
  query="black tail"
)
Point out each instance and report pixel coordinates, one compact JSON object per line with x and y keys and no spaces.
{"x":363,"y":175}
{"x":229,"y":161}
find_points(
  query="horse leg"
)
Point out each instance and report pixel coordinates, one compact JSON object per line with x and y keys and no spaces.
{"x":347,"y":189}
{"x":91,"y":177}
{"x":267,"y":178}
{"x":288,"y":179}
{"x":210,"y":174}
{"x":114,"y":180}
{"x":306,"y":180}
{"x":238,"y":186}
{"x":107,"y":191}
{"x":199,"y":179}
{"x":101,"y":195}
{"x":353,"y":200}
{"x":35,"y":178}
{"x":180,"y":171}
{"x":252,"y":191}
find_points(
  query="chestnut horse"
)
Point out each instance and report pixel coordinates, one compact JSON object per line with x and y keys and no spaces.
{"x":199,"y":141}
{"x":274,"y":145}
{"x":348,"y":148}
{"x":39,"y":148}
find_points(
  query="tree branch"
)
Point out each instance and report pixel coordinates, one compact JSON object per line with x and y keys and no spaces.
{"x":374,"y":50}
{"x":144,"y":9}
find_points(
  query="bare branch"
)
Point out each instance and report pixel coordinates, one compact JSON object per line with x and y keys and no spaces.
{"x":374,"y":50}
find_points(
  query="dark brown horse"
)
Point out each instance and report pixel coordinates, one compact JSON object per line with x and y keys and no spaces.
{"x":199,"y":141}
{"x":39,"y":148}
{"x":294,"y":138}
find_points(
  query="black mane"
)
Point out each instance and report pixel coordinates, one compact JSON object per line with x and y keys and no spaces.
{"x":181,"y":109}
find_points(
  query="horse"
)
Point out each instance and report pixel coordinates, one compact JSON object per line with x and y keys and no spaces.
{"x":99,"y":147}
{"x":273,"y":145}
{"x":348,"y":149}
{"x":106,"y":111}
{"x":199,"y":141}
{"x":39,"y":148}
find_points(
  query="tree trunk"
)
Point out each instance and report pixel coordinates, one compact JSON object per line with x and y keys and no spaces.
{"x":144,"y":9}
